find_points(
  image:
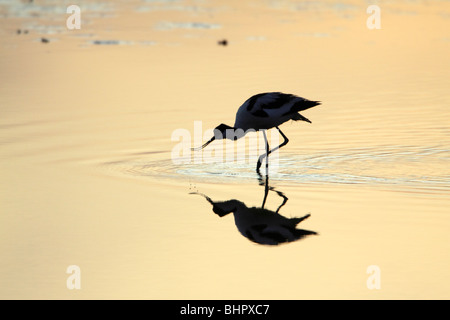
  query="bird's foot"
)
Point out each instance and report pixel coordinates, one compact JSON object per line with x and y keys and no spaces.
{"x":258,"y":166}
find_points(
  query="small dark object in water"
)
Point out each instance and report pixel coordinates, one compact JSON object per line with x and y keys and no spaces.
{"x":223,"y":42}
{"x":106,"y":42}
{"x":45,"y":40}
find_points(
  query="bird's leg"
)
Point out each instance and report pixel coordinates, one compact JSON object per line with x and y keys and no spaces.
{"x":285,"y":199}
{"x":261,"y":157}
{"x":286,"y":140}
{"x":267,"y":155}
{"x":266,"y":191}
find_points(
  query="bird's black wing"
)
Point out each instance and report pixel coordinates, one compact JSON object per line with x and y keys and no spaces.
{"x":259,"y":103}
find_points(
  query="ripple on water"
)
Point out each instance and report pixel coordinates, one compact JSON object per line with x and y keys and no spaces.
{"x":406,"y":167}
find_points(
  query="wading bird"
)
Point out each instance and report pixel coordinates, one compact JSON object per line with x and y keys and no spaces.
{"x":260,"y":225}
{"x":261,"y":112}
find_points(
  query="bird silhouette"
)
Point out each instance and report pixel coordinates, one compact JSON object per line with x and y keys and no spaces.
{"x":262,"y":112}
{"x":261,"y":225}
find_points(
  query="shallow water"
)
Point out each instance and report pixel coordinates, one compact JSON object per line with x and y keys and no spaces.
{"x":87,"y":169}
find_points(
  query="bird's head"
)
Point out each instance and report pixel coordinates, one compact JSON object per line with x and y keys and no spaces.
{"x":222,"y":131}
{"x":222,"y":208}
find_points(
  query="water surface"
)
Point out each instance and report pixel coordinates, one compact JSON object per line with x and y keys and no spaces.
{"x":86,"y":162}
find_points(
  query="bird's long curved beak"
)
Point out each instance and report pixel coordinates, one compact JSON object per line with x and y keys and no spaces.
{"x":204,"y":145}
{"x":203,"y":195}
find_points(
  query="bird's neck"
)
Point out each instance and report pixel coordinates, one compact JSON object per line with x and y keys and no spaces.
{"x":225,"y":207}
{"x":233,"y":133}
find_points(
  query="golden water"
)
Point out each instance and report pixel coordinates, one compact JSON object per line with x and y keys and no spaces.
{"x":87,"y":177}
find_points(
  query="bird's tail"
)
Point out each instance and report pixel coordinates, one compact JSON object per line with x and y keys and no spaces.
{"x":300,"y":233}
{"x":296,"y":221}
{"x":304,"y":104}
{"x":298,"y":116}
{"x":300,"y":105}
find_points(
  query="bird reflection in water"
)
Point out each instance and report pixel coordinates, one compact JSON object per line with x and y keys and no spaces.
{"x":261,"y":225}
